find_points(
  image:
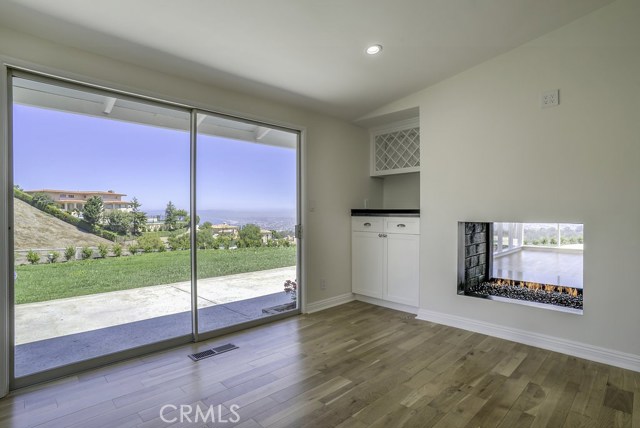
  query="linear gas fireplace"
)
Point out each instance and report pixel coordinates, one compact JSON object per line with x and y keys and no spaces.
{"x":536,"y":264}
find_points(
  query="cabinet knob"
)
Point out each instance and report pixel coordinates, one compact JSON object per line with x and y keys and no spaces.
{"x":401,"y":225}
{"x":380,"y":235}
{"x":367,"y":224}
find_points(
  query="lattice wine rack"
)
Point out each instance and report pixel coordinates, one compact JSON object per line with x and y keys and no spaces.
{"x":396,"y":151}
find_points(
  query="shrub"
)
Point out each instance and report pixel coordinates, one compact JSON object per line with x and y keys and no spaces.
{"x":103,"y":250}
{"x":182,"y":242}
{"x":111,"y":236}
{"x":284,"y":242}
{"x":133,"y":249}
{"x":54,"y":256}
{"x":150,"y":243}
{"x":117,"y":250}
{"x":41,"y":200}
{"x":33,"y":257}
{"x":86,"y":253}
{"x":224,"y":241}
{"x":69,"y":253}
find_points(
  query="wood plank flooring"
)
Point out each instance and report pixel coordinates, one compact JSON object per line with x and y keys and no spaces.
{"x":355,"y":365}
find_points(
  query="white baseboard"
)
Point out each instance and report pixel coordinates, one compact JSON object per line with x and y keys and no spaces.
{"x":387,"y":304}
{"x":564,"y":346}
{"x":328,"y":303}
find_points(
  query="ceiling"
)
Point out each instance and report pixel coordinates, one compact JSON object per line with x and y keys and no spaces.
{"x":309,"y":53}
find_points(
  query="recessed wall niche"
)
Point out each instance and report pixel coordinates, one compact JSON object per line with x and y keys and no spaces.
{"x":535,"y":264}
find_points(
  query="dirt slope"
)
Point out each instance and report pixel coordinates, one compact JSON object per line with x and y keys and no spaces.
{"x":35,"y":229}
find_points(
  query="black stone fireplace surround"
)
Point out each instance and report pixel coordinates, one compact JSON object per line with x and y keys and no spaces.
{"x":475,"y":275}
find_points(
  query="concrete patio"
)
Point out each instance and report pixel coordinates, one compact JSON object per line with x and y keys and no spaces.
{"x":63,"y":331}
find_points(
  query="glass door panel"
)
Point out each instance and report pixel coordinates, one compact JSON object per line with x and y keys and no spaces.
{"x":101,"y":186}
{"x":246,"y":195}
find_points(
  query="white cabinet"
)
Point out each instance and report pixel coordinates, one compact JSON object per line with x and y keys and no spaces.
{"x":402,"y":268}
{"x":367,"y":260}
{"x":385,"y":258}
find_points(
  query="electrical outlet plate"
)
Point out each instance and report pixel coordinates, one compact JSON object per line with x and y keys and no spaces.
{"x":550,"y":98}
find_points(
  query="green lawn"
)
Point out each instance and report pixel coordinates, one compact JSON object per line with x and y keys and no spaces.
{"x":42,"y":282}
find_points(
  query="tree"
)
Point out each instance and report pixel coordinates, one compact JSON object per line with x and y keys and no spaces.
{"x":205,"y":239}
{"x":250,"y":236}
{"x":92,"y":211}
{"x":223,"y":241}
{"x":206,"y":225}
{"x":119,"y":222}
{"x":182,"y":219}
{"x":170,"y":217}
{"x":138,"y":218}
{"x":276,"y":235}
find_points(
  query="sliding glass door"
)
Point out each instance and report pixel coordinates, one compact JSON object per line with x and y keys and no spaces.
{"x":139,"y":225}
{"x":92,"y":175}
{"x":246,"y":207}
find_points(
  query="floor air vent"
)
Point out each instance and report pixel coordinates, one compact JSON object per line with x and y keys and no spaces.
{"x":214,"y":351}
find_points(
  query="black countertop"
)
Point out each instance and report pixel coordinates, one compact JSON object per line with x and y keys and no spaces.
{"x":386,"y":212}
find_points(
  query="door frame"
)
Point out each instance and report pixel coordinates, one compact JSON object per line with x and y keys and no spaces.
{"x":7,"y":320}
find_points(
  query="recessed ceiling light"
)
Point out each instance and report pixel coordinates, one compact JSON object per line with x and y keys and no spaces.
{"x":374,"y":49}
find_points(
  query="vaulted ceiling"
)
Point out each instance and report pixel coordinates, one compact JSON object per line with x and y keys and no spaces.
{"x":307,"y":53}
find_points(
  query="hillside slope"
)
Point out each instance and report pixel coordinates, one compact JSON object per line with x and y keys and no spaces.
{"x":35,"y":229}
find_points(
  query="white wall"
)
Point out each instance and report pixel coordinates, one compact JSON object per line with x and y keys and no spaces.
{"x":336,"y":152}
{"x":401,"y":191}
{"x":578,"y":162}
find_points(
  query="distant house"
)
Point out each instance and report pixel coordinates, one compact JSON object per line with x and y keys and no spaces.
{"x":70,"y":200}
{"x":267,"y":236}
{"x":225,"y":229}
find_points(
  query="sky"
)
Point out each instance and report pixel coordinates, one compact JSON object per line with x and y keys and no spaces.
{"x":60,"y":150}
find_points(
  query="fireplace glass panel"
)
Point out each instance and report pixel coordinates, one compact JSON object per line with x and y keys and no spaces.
{"x":540,"y":264}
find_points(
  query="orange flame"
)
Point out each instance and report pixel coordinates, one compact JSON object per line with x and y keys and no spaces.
{"x":499,"y":282}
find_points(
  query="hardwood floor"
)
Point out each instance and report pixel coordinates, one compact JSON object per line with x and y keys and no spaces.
{"x":356,"y":365}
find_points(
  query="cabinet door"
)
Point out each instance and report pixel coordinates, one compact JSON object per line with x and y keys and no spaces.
{"x":403,"y":271}
{"x":367,"y":259}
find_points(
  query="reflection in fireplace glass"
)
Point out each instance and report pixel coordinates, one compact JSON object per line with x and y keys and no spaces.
{"x":537,"y":263}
